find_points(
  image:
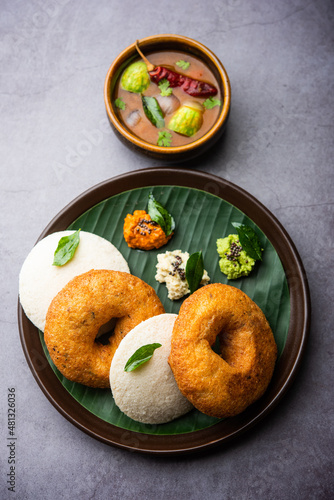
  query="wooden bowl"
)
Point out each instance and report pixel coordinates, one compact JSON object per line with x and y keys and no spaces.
{"x":168,"y":42}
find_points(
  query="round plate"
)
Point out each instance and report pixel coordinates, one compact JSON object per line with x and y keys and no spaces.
{"x":287,"y":364}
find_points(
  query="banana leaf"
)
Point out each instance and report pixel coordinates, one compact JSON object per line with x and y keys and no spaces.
{"x":200,"y":219}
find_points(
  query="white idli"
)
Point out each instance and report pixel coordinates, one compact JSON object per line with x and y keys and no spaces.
{"x":40,"y":280}
{"x":149,"y":394}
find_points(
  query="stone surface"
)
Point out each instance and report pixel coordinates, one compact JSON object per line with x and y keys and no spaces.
{"x":56,"y":143}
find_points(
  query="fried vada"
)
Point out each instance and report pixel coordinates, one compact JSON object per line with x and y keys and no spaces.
{"x":222,"y":385}
{"x":81,"y":308}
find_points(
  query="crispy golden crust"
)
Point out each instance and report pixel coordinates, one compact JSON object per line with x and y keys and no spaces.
{"x":79,"y":310}
{"x":222,"y":386}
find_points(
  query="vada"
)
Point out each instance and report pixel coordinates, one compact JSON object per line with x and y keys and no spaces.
{"x":81,"y":308}
{"x":225,"y":384}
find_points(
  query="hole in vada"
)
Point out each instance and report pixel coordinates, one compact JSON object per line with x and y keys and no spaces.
{"x":216,"y":346}
{"x":105,"y":332}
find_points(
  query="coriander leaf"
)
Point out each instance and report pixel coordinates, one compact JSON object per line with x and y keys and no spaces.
{"x":249,"y":240}
{"x":160,"y":215}
{"x":183,"y":64}
{"x":66,"y":248}
{"x":119,"y":103}
{"x":194,"y":271}
{"x":140,"y":356}
{"x":164,"y":139}
{"x":164,"y":87}
{"x":153,"y":111}
{"x":211,"y":102}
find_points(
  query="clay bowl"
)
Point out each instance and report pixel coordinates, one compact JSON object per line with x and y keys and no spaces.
{"x":168,"y":42}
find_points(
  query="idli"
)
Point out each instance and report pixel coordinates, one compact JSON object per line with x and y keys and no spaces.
{"x":40,"y":280}
{"x":148,"y":394}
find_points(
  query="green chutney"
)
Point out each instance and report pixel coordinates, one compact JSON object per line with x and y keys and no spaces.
{"x":234,"y":261}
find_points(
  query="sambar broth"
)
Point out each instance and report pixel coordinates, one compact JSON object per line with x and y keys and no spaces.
{"x":144,"y":129}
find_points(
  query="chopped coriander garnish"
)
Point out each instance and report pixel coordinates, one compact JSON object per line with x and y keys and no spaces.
{"x":119,"y":103}
{"x":211,"y":102}
{"x":183,"y":64}
{"x":164,"y":87}
{"x":164,"y":139}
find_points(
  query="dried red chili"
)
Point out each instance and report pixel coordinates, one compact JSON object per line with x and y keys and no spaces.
{"x":195,"y":88}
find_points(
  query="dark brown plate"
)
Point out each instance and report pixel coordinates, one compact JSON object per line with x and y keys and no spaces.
{"x":287,"y":365}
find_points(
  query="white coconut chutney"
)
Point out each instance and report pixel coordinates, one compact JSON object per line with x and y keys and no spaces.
{"x":171,"y":270}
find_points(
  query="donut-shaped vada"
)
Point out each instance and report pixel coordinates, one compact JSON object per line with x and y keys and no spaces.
{"x":222,"y":385}
{"x":81,"y":308}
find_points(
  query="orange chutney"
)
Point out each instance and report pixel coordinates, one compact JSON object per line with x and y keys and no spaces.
{"x":140,"y":231}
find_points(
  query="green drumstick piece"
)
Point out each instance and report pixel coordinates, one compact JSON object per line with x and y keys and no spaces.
{"x":135,"y":78}
{"x":188,"y":119}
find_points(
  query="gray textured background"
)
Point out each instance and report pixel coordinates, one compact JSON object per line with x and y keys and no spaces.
{"x":278,"y":146}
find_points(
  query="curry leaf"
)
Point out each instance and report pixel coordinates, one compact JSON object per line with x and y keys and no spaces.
{"x":140,"y":356}
{"x":194,"y":271}
{"x":160,"y":215}
{"x":66,"y":248}
{"x":249,"y":240}
{"x":153,"y":111}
